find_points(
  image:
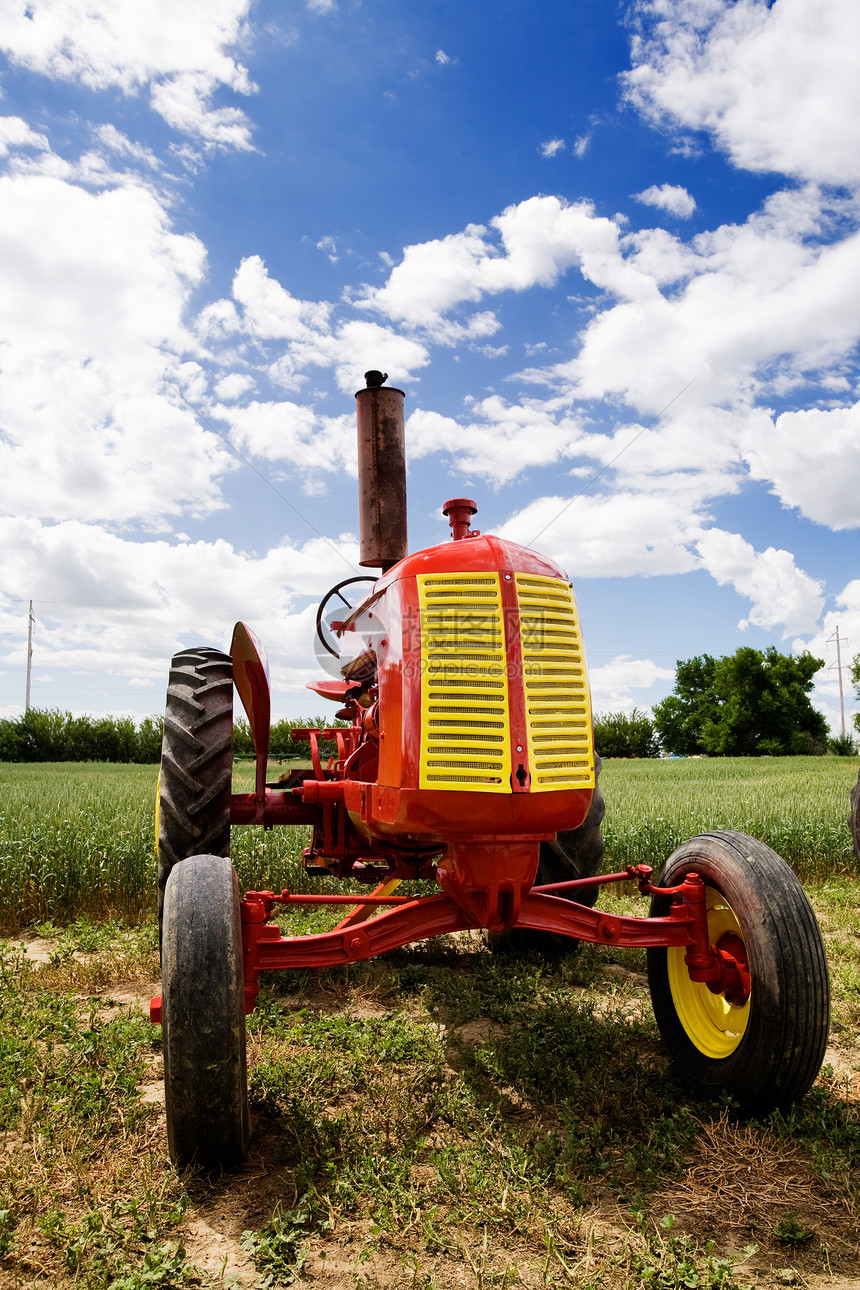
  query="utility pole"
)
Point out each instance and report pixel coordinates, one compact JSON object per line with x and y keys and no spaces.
{"x":835,"y":637}
{"x":30,"y":623}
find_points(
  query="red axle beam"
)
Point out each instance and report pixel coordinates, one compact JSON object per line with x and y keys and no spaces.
{"x":265,"y":950}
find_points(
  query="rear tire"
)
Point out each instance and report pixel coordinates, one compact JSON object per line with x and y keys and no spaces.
{"x":854,"y":820}
{"x":195,"y":781}
{"x":575,"y":853}
{"x":765,"y":1052}
{"x":203,"y":1015}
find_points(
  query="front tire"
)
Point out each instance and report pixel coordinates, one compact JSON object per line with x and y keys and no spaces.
{"x":195,"y":781}
{"x":203,"y":1015}
{"x":766,"y":1051}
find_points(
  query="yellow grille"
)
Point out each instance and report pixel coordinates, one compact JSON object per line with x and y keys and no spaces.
{"x":465,"y":742}
{"x":558,"y":708}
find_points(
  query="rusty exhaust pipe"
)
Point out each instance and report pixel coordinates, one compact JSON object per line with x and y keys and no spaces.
{"x":381,"y":473}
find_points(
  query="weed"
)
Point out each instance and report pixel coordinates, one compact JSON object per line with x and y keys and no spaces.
{"x":680,"y":1263}
{"x":790,"y":1231}
{"x":276,"y":1251}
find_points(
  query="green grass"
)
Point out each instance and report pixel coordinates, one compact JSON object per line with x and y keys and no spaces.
{"x":797,"y":805}
{"x":437,"y":1118}
{"x":77,"y":838}
{"x":440,"y":1117}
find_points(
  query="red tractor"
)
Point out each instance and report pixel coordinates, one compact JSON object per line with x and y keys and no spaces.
{"x":467,"y":758}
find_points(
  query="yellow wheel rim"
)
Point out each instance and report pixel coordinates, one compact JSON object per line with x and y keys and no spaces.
{"x":714,"y":1025}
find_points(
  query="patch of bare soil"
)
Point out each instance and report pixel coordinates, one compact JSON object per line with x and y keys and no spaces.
{"x":737,"y":1187}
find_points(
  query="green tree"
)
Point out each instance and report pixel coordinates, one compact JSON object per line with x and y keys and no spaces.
{"x":746,"y":704}
{"x":855,"y":677}
{"x":625,"y":734}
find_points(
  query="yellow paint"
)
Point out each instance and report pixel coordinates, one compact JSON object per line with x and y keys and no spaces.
{"x":714,"y":1025}
{"x":558,"y":703}
{"x":465,"y":727}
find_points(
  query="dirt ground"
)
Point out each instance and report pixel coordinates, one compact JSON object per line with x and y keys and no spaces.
{"x":735,"y":1186}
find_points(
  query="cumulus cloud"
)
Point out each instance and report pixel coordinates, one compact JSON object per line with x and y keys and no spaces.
{"x":845,"y":619}
{"x":497,"y":441}
{"x":609,"y":535}
{"x":111,"y":605}
{"x":614,"y":684}
{"x":783,"y":596}
{"x":183,"y":53}
{"x":15,"y":133}
{"x":775,"y":290}
{"x":811,"y":457}
{"x":530,"y":244}
{"x":776,"y":85}
{"x":91,"y":323}
{"x":669,"y":197}
{"x":285,"y":431}
{"x":270,"y":312}
{"x":552,"y":147}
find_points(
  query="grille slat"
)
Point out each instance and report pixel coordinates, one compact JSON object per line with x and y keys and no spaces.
{"x":558,"y":715}
{"x":464,"y":684}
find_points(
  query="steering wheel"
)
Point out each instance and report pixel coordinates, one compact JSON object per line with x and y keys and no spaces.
{"x":338,"y":604}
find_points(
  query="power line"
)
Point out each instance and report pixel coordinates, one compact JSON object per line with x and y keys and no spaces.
{"x":612,"y":461}
{"x":201,"y":417}
{"x":30,"y":624}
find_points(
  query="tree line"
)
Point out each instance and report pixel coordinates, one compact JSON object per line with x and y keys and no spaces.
{"x":747,"y":704}
{"x":752,"y":703}
{"x":51,"y":735}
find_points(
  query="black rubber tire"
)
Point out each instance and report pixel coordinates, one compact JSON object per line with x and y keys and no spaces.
{"x":784,"y":1035}
{"x":854,"y":820}
{"x":195,"y":783}
{"x":203,"y":1016}
{"x":575,"y":853}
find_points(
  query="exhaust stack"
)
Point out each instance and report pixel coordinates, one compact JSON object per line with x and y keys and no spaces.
{"x":381,"y":473}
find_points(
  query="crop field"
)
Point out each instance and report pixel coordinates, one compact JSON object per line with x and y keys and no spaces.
{"x":438,"y":1118}
{"x":77,"y":838}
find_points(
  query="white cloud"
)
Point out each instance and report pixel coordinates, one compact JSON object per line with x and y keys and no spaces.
{"x":498,"y":442}
{"x":234,"y":386}
{"x":755,"y":294}
{"x":91,"y":323}
{"x":581,"y":145}
{"x":613,"y":685}
{"x":115,"y":141}
{"x":15,"y":133}
{"x":783,"y":596}
{"x":287,"y":431}
{"x":552,"y":147}
{"x":812,"y":459}
{"x":182,"y":52}
{"x":669,"y":197}
{"x":442,"y":57}
{"x":106,"y":605}
{"x":270,"y":312}
{"x":609,"y":535}
{"x":185,"y":103}
{"x":528,"y":245}
{"x":846,"y":620}
{"x":777,"y":85}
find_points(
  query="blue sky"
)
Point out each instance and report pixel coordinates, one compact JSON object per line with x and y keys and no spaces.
{"x":611,"y":252}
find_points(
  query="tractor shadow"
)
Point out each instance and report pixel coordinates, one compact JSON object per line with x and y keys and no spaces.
{"x":442,"y":1080}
